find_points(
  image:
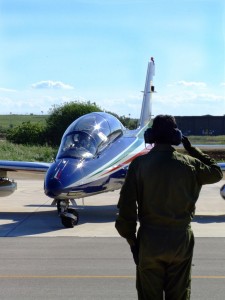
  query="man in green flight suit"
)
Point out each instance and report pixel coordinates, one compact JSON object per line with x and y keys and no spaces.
{"x":160,"y":190}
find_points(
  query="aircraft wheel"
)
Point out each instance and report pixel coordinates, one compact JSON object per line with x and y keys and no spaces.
{"x":75,"y":213}
{"x":70,"y":218}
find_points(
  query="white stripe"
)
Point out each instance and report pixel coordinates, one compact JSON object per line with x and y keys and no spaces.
{"x":89,"y":178}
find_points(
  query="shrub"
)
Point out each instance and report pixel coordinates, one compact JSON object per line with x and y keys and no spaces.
{"x":27,"y":133}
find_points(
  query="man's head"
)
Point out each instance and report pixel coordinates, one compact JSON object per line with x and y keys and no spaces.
{"x":164,"y":131}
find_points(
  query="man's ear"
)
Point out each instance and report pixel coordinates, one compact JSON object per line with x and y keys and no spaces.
{"x":176,"y":137}
{"x":149,"y":136}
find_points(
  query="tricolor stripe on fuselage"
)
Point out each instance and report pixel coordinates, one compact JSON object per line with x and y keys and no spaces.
{"x":121,"y":161}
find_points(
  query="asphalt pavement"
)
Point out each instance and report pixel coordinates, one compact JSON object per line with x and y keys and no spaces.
{"x":40,"y":259}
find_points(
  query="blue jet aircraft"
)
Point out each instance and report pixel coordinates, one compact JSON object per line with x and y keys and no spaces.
{"x":93,"y":157}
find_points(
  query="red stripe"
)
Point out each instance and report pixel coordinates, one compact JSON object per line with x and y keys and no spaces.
{"x":129,"y":160}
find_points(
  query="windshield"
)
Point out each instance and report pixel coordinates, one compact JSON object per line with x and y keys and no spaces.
{"x":89,"y":134}
{"x":78,"y":144}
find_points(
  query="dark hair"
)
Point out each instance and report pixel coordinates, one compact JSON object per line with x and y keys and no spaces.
{"x":163,"y":127}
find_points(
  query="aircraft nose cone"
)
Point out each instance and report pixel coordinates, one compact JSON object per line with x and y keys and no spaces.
{"x":53,"y":187}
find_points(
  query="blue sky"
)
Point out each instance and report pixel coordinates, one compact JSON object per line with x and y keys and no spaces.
{"x":55,"y":51}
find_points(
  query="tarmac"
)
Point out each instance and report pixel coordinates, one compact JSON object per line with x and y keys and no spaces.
{"x":40,"y":259}
{"x":28,"y":212}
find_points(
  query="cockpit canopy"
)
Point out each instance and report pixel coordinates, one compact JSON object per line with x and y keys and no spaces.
{"x":89,"y":135}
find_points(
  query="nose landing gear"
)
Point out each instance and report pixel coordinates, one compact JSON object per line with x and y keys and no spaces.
{"x":69,"y":216}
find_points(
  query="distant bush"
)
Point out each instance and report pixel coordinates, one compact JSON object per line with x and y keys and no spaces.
{"x":3,"y":132}
{"x":27,"y":133}
{"x":129,"y":122}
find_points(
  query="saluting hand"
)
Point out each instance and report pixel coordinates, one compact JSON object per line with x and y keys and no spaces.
{"x":186,"y":143}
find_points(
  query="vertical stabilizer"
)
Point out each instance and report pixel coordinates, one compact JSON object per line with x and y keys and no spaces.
{"x":146,"y":109}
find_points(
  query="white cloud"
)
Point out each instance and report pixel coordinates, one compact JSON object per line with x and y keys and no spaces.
{"x":176,"y":101}
{"x":213,"y":97}
{"x":49,"y":84}
{"x":123,"y":105}
{"x":188,"y":97}
{"x":189,"y":102}
{"x":222,"y":84}
{"x":191,"y":83}
{"x":7,"y":90}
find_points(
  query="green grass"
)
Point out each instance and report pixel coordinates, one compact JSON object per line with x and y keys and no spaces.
{"x":9,"y":121}
{"x":10,"y":151}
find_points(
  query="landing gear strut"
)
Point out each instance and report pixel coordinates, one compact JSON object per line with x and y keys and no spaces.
{"x":69,"y":216}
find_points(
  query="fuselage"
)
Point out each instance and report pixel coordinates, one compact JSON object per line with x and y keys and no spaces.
{"x":80,"y":172}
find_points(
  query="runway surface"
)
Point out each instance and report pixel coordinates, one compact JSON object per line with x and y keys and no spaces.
{"x":40,"y":259}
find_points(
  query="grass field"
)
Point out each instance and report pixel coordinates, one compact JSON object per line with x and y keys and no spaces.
{"x":9,"y":121}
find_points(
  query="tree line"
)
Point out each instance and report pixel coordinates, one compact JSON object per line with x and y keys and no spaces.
{"x":59,"y":118}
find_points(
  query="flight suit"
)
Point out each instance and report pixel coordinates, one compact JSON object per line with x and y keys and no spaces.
{"x":160,"y":190}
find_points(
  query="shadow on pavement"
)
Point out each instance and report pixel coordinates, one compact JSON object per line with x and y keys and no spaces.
{"x":37,"y":222}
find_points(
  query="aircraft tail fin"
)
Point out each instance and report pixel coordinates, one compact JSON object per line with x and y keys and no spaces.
{"x":146,"y":110}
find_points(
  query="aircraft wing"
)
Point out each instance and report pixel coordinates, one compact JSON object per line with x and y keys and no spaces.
{"x":6,"y":165}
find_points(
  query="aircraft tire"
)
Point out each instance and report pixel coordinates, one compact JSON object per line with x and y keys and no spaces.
{"x":69,"y":222}
{"x":75,"y":213}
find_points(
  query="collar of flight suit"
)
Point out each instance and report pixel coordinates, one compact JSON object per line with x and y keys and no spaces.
{"x":163,"y":147}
